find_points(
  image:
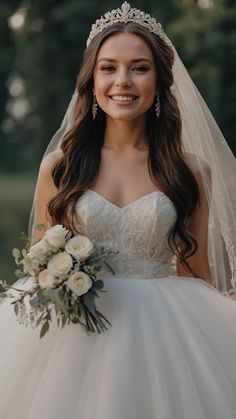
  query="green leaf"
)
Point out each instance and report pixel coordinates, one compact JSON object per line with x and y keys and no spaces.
{"x":34,"y":302}
{"x":16,"y":253}
{"x":24,"y":252}
{"x":88,"y":300}
{"x":44,"y":329}
{"x":89,"y":324}
{"x":19,"y":274}
{"x":63,"y":321}
{"x":109,"y":267}
{"x":3,"y":294}
{"x":40,"y":294}
{"x":98,"y":284}
{"x":103,"y":317}
{"x":16,"y":309}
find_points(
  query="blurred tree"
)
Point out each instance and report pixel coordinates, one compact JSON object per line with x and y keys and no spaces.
{"x":8,"y":52}
{"x":227,"y":63}
{"x":205,"y":36}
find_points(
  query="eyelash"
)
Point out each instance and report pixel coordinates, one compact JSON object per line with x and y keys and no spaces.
{"x":107,"y":68}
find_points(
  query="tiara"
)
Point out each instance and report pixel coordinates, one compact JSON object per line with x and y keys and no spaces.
{"x":126,"y":14}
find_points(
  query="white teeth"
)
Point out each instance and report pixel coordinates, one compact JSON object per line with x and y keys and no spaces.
{"x":124,"y":98}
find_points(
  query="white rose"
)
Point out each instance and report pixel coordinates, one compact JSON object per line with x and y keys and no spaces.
{"x":46,"y":280}
{"x":56,"y":236}
{"x":79,"y":247}
{"x":37,"y":256}
{"x":60,"y":264}
{"x":79,"y":283}
{"x":39,"y":251}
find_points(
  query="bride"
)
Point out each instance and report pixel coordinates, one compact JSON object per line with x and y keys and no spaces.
{"x":140,"y":166}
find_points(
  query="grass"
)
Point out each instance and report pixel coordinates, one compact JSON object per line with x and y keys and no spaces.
{"x":16,"y":194}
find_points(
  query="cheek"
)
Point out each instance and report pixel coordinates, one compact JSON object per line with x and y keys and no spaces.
{"x":149,"y":84}
{"x":101,"y":84}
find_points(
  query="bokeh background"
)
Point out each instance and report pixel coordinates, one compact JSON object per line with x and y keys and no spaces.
{"x":42,"y":42}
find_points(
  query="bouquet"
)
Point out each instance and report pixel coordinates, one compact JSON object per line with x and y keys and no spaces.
{"x":62,"y":272}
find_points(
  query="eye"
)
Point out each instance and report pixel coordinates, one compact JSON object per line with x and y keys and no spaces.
{"x":140,"y":68}
{"x":107,"y":68}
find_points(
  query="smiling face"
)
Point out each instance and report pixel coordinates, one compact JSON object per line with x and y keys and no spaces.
{"x":125,"y":77}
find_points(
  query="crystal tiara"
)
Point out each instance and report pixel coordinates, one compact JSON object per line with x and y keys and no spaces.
{"x":126,"y":14}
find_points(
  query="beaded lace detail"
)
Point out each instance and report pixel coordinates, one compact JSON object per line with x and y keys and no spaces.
{"x":138,"y":231}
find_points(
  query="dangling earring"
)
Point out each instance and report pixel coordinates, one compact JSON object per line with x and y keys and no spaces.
{"x":158,"y":106}
{"x":94,"y":107}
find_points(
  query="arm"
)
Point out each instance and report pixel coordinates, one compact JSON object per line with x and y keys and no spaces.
{"x":45,"y":191}
{"x":198,"y":227}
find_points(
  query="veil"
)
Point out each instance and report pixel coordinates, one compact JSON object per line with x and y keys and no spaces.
{"x":202,"y":137}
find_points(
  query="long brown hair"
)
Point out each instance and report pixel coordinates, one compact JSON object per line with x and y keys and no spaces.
{"x":77,"y":170}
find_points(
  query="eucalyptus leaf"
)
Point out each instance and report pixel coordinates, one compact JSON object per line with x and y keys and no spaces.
{"x":19,"y":274}
{"x":16,"y":253}
{"x":40,"y":294}
{"x":89,"y":302}
{"x":64,"y":318}
{"x":16,"y":309}
{"x":103,"y":317}
{"x":98,"y":284}
{"x":34,"y":302}
{"x":89,"y":324}
{"x":24,"y":252}
{"x":109,"y":267}
{"x":44,"y":329}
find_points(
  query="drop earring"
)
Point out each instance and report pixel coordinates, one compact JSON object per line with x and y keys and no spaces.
{"x":94,"y":107}
{"x":157,"y":106}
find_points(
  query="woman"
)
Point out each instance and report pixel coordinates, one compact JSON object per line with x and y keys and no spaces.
{"x":121,"y":176}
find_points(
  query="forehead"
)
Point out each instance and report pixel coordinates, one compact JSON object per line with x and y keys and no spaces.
{"x":125,"y":46}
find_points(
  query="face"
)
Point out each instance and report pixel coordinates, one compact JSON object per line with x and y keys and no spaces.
{"x":125,"y":78}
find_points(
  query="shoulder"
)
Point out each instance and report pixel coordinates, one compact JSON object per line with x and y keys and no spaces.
{"x":45,"y":179}
{"x":50,"y":160}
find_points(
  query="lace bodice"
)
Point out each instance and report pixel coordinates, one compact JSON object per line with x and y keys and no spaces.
{"x":138,"y":231}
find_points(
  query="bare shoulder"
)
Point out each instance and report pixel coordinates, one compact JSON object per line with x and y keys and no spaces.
{"x":50,"y":160}
{"x":45,"y":179}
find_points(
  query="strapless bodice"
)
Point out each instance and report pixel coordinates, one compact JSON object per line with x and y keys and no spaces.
{"x":138,"y":231}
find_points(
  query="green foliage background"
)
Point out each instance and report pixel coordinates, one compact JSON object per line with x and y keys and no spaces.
{"x":45,"y":53}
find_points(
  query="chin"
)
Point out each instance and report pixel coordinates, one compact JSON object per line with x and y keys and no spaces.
{"x":123,"y":117}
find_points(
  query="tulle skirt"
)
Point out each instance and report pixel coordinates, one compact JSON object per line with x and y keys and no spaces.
{"x":169,"y":354}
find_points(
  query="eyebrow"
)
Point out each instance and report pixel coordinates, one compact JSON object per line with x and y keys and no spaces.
{"x":135,"y":60}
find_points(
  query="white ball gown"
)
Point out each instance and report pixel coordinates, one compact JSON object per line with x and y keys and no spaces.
{"x":169,"y":354}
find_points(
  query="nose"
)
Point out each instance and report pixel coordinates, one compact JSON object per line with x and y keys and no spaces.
{"x":122,"y":79}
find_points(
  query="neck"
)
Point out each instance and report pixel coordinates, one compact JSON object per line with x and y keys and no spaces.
{"x":123,"y":135}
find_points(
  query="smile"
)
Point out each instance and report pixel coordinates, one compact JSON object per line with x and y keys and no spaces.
{"x":123,"y":99}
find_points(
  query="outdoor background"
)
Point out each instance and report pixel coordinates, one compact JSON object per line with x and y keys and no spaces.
{"x":41,"y":49}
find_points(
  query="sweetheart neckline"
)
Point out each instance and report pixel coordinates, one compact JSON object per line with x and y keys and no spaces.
{"x":132,"y":203}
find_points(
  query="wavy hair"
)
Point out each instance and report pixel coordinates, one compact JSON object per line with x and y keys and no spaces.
{"x":78,"y":167}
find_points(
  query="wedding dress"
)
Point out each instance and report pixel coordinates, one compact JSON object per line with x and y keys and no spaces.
{"x":169,"y":354}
